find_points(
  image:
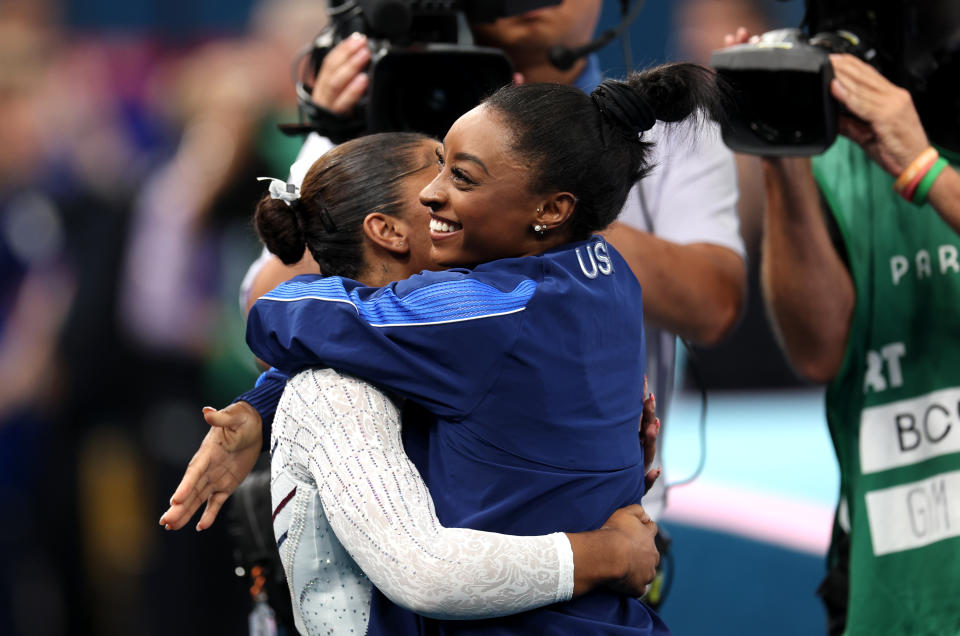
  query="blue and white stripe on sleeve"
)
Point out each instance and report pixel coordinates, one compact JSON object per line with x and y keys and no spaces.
{"x":436,"y":303}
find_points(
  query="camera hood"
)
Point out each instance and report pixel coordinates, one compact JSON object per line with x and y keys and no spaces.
{"x":781,"y":84}
{"x":425,"y":88}
{"x":783,"y":104}
{"x":425,"y":70}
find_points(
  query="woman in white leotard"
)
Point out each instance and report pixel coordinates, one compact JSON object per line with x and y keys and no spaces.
{"x":339,"y":462}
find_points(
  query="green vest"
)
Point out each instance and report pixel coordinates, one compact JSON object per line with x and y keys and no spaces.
{"x":894,"y":407}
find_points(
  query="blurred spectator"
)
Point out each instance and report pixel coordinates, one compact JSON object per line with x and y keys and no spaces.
{"x":64,"y":179}
{"x":699,"y":29}
{"x":189,"y":242}
{"x":35,"y":293}
{"x":85,"y":120}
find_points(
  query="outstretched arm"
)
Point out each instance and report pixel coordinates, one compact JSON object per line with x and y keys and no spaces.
{"x":230,"y":449}
{"x":226,"y":455}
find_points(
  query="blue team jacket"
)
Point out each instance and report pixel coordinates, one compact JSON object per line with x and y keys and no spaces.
{"x":533,"y":367}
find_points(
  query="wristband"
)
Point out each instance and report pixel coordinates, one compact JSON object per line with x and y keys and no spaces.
{"x":911,"y":188}
{"x":915,"y":171}
{"x":923,"y":188}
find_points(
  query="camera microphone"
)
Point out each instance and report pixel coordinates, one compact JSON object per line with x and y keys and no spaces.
{"x":563,"y":57}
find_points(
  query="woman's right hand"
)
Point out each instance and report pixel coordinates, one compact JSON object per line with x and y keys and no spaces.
{"x":641,"y":556}
{"x":621,"y":555}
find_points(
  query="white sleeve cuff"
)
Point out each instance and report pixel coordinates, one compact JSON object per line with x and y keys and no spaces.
{"x":565,"y":567}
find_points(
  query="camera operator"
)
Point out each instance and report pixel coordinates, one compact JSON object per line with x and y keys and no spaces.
{"x":862,"y":282}
{"x":679,"y":230}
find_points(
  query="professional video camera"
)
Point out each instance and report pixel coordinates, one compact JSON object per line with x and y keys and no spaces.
{"x":425,"y":70}
{"x":782,"y":82}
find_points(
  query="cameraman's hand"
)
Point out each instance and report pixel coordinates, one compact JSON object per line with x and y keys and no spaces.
{"x":226,"y":455}
{"x":641,"y":556}
{"x":888,"y":129}
{"x":341,"y":81}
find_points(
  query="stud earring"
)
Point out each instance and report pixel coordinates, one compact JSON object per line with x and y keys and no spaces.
{"x":539,"y":228}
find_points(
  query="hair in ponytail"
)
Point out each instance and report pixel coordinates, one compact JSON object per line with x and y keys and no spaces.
{"x":341,"y":188}
{"x":592,"y":146}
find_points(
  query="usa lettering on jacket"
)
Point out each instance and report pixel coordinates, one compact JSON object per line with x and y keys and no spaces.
{"x":598,"y":260}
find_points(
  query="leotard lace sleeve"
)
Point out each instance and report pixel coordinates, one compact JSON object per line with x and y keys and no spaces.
{"x":346,"y":434}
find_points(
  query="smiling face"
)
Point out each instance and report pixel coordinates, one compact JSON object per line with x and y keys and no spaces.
{"x":415,"y":214}
{"x":481,"y":205}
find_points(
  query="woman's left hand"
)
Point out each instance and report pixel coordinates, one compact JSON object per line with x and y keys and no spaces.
{"x":649,"y":433}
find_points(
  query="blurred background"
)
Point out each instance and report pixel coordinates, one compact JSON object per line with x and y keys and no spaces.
{"x":130,"y":138}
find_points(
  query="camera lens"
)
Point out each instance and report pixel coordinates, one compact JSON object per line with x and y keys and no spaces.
{"x":785,"y":107}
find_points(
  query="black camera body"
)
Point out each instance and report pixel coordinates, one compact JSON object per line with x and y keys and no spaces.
{"x":783,"y":104}
{"x":425,"y":70}
{"x":781,"y":83}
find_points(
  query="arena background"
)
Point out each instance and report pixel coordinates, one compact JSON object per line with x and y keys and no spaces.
{"x":88,"y":458}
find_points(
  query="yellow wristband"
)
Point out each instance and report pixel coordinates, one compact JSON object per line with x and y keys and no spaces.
{"x":921,"y":164}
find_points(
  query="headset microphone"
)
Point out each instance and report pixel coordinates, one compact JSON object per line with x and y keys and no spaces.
{"x":563,"y":57}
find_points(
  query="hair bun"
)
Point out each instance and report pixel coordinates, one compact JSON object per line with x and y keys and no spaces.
{"x":624,"y":107}
{"x":279,"y":227}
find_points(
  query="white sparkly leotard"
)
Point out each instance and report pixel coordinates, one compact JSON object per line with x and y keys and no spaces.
{"x":348,"y":501}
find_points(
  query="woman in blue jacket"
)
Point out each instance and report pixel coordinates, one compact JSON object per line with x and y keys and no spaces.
{"x":339,"y":465}
{"x":544,"y":329}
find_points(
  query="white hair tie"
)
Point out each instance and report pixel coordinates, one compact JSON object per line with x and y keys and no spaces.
{"x":279,"y":189}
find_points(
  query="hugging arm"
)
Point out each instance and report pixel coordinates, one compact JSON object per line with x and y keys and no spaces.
{"x":438,"y":337}
{"x":382,"y":512}
{"x":240,"y":431}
